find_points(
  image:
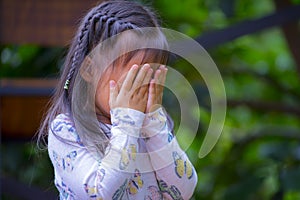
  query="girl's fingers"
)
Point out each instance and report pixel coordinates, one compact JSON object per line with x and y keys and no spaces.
{"x":157,"y":79}
{"x":156,"y":89}
{"x":121,"y":80}
{"x":157,"y":75}
{"x":127,"y":84}
{"x":151,"y":95}
{"x":113,"y":93}
{"x":140,"y":78}
{"x":144,"y":88}
{"x":162,"y":77}
{"x":152,"y":89}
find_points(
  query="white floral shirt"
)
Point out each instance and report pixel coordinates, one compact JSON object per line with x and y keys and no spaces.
{"x":143,"y":161}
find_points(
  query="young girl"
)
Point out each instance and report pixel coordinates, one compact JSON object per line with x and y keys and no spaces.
{"x":108,"y":136}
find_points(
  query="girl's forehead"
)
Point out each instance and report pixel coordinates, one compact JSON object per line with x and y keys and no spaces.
{"x":141,"y":58}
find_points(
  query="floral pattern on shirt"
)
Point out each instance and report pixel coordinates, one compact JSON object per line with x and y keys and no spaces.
{"x":66,"y":162}
{"x":182,"y":166}
{"x":80,"y":175}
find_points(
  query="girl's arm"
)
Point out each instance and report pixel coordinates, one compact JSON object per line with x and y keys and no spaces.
{"x":175,"y":174}
{"x":79,"y":174}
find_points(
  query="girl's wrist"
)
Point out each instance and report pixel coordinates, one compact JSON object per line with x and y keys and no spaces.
{"x":127,"y":117}
{"x":154,"y":122}
{"x":153,"y":109}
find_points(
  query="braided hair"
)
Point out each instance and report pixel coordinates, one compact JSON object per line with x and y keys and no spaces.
{"x":100,"y":23}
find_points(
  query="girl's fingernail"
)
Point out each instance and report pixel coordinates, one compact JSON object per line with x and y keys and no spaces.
{"x":146,"y":65}
{"x":112,"y":83}
{"x":134,"y":66}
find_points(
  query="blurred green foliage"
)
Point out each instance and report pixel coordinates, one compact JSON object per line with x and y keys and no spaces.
{"x":258,"y":154}
{"x":26,"y":164}
{"x":29,"y":61}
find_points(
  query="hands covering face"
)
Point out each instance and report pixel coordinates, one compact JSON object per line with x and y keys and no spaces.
{"x":139,"y":91}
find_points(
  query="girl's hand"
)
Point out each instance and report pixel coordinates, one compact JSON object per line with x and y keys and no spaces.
{"x":156,"y":89}
{"x":133,"y":92}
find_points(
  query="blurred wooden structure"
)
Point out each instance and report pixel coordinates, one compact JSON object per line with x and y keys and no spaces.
{"x":22,"y":105}
{"x":46,"y":23}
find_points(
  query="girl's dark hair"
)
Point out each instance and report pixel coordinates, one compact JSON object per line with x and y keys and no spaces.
{"x":101,"y":22}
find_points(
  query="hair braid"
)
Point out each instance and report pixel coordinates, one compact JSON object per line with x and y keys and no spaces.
{"x":81,"y":49}
{"x":100,"y":24}
{"x":89,"y":36}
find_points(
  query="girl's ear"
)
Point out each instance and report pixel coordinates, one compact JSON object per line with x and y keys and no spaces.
{"x":87,"y":69}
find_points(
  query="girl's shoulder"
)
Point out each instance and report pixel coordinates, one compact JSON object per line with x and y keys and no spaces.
{"x":63,"y":127}
{"x":61,"y":121}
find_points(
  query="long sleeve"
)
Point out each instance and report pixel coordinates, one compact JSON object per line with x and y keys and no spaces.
{"x":175,"y":174}
{"x":78,"y":175}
